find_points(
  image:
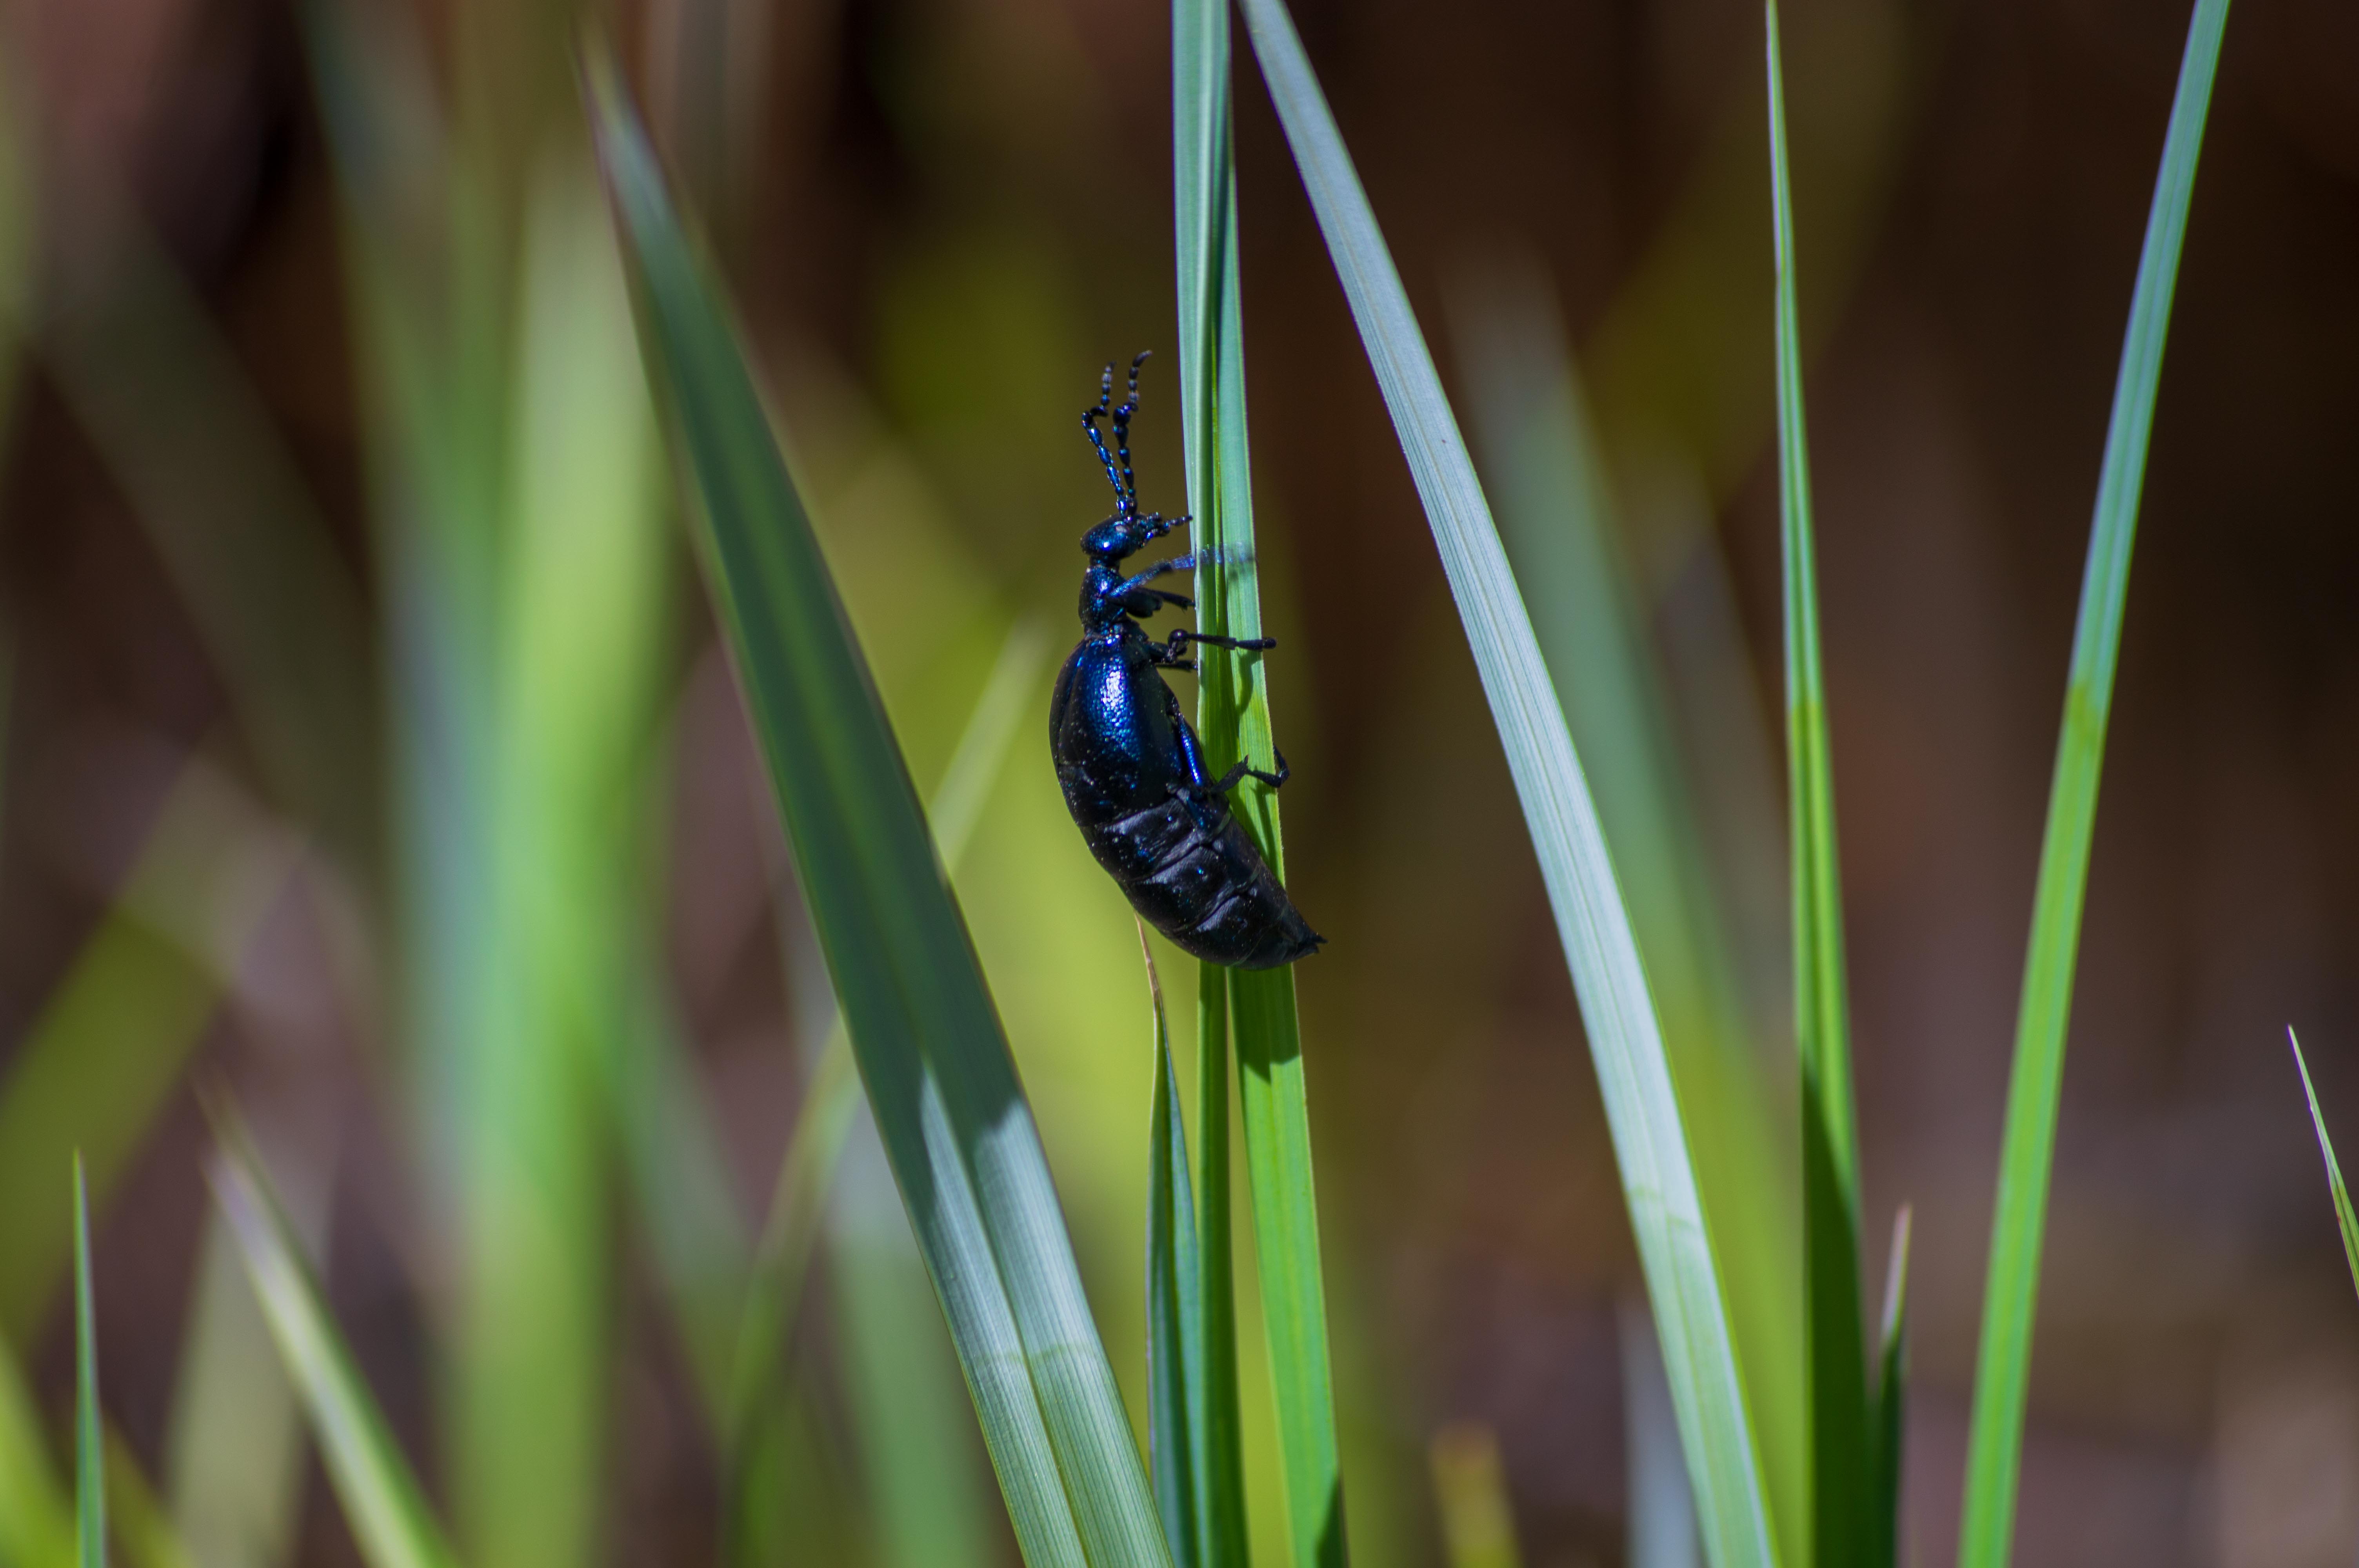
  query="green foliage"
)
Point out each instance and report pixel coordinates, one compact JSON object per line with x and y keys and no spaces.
{"x":953,"y":1120}
{"x":1643,"y":1110}
{"x":2003,"y":1370}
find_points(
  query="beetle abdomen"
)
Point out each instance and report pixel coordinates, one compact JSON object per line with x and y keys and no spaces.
{"x":1190,"y":871}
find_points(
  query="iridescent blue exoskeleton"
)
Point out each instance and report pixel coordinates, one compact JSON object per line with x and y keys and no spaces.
{"x":1132,"y":771}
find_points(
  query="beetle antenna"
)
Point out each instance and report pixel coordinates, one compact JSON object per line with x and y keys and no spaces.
{"x":1129,"y":486}
{"x":1124,"y":504}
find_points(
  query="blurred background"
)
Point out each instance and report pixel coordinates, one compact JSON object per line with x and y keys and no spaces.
{"x":370,"y":758}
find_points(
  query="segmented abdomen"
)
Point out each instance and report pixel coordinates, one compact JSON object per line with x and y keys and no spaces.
{"x":1189,"y":868}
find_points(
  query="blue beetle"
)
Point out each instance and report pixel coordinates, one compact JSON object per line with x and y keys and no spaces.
{"x":1131,"y":767}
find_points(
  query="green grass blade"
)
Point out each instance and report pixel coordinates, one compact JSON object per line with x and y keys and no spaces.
{"x":1253,"y":1013}
{"x":1634,"y":1073}
{"x":136,"y":1514}
{"x":2003,"y":1368}
{"x":1890,"y":1434}
{"x":1478,"y":1528}
{"x":2343,"y":1219}
{"x":89,"y":1436}
{"x":1834,"y":1336}
{"x":381,"y":1497}
{"x":1659,"y":1518}
{"x":1175,"y":1330}
{"x":956,"y":1127}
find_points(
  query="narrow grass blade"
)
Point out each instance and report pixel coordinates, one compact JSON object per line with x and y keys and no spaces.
{"x":90,"y":1439}
{"x":1175,"y":1326}
{"x":2003,"y":1368}
{"x":2343,"y":1219}
{"x":1889,"y":1435}
{"x":1642,"y":1108}
{"x":1834,"y":1336}
{"x":952,"y":1115}
{"x":381,"y":1497}
{"x":1234,"y":720}
{"x":1478,"y":1528}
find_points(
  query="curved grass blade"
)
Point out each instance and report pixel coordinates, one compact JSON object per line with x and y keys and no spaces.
{"x":1642,"y":1109}
{"x":89,"y":1436}
{"x":2344,"y":1219}
{"x":1175,"y":1325}
{"x":952,"y":1115}
{"x":2003,"y":1368}
{"x":1834,"y":1336}
{"x":1233,"y":719}
{"x":381,"y":1497}
{"x":1539,"y":454}
{"x":1890,"y":1434}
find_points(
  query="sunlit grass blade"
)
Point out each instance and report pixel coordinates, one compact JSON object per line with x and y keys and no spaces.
{"x":90,"y":1435}
{"x":1175,"y":1328}
{"x":382,"y":1500}
{"x":1634,"y":1073}
{"x":1888,"y":1435}
{"x":1234,"y":720}
{"x":954,"y":1122}
{"x":2344,"y":1219}
{"x":1541,"y":460}
{"x":1834,"y":1346}
{"x":1478,"y":1528}
{"x":2003,"y":1368}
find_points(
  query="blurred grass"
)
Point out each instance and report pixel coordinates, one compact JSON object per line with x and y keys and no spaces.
{"x":1478,"y":1526}
{"x":106,"y":1052}
{"x":382,"y":1503}
{"x":2003,"y":1368}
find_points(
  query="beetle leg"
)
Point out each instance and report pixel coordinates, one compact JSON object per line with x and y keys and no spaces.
{"x":1183,"y":636}
{"x":1192,"y":752}
{"x":1244,"y":770}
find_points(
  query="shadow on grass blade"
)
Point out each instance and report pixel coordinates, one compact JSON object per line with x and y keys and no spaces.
{"x":1175,"y":1328}
{"x":954,"y":1121}
{"x":1888,"y":1435}
{"x":1642,"y":1109}
{"x":2003,"y":1368}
